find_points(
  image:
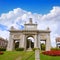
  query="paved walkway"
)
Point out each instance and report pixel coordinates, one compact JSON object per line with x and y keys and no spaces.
{"x":19,"y":58}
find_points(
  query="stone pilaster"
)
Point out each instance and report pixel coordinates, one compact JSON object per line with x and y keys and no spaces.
{"x":48,"y":43}
{"x":13,"y":45}
{"x":25,"y":43}
{"x":24,"y":38}
{"x":10,"y":43}
{"x":35,"y":42}
{"x":38,"y":40}
{"x":19,"y":43}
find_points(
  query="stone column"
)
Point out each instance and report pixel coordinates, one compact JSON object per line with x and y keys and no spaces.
{"x":20,"y":43}
{"x":48,"y":43}
{"x":37,"y":54}
{"x":37,"y":51}
{"x":38,"y":40}
{"x":35,"y":42}
{"x":29,"y":49}
{"x":29,"y":44}
{"x":10,"y":43}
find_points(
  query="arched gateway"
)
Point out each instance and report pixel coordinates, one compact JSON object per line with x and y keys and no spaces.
{"x":30,"y":30}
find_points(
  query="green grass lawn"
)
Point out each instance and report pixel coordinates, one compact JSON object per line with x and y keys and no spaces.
{"x":45,"y":57}
{"x":42,"y":57}
{"x":13,"y":55}
{"x":28,"y":56}
{"x":10,"y":55}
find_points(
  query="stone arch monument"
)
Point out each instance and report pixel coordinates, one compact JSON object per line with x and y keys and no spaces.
{"x":30,"y":29}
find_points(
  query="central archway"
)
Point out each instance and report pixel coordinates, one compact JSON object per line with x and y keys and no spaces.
{"x":29,"y":43}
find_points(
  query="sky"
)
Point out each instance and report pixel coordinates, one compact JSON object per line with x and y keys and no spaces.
{"x":16,"y":12}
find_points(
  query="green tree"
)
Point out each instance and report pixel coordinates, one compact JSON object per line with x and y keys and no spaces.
{"x":42,"y":46}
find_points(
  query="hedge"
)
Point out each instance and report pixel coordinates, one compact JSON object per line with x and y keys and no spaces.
{"x":19,"y":49}
{"x":2,"y":49}
{"x":52,"y":49}
{"x":35,"y":49}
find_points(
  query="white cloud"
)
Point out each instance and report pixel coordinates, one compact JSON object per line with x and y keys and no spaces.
{"x":18,"y":16}
{"x":4,"y":34}
{"x":53,"y":15}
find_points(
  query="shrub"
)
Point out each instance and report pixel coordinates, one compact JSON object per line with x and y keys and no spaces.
{"x":1,"y":53}
{"x":42,"y":46}
{"x":58,"y":48}
{"x":35,"y":49}
{"x":19,"y":49}
{"x":51,"y":53}
{"x":2,"y":49}
{"x":52,"y":49}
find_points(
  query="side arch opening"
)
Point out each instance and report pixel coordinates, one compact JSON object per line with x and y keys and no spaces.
{"x":29,"y":42}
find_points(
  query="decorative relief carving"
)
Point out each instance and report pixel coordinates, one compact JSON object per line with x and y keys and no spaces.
{"x":43,"y":36}
{"x":16,"y":36}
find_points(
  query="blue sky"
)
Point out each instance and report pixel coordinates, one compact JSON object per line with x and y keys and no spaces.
{"x":16,"y":12}
{"x":35,"y":6}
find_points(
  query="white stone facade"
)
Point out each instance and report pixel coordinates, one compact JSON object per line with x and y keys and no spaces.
{"x":30,"y":30}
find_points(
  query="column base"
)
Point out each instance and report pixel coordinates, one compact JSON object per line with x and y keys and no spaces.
{"x":29,"y":49}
